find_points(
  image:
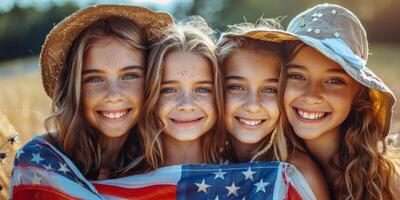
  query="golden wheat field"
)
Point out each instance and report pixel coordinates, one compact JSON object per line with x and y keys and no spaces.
{"x":24,"y":105}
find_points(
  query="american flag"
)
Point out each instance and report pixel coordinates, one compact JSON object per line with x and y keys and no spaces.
{"x":43,"y":172}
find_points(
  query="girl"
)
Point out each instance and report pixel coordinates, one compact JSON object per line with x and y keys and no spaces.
{"x":93,"y":67}
{"x":338,"y":107}
{"x":252,"y":65}
{"x":182,"y":113}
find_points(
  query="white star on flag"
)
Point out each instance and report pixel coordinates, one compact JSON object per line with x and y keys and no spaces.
{"x":333,"y":11}
{"x":310,"y":29}
{"x":36,"y":158}
{"x":232,"y":189}
{"x":261,"y":185}
{"x":219,"y":174}
{"x":48,"y":167}
{"x":63,"y":168}
{"x":337,"y":34}
{"x":36,"y":179}
{"x":248,"y":174}
{"x":202,"y":186}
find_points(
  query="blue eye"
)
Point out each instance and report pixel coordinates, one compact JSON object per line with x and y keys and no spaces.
{"x":93,"y":80}
{"x":202,"y":90}
{"x":295,"y":76}
{"x":269,"y":90}
{"x":130,"y":76}
{"x":168,"y":90}
{"x":235,"y":87}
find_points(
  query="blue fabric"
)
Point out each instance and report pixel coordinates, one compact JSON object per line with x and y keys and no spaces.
{"x":339,"y":47}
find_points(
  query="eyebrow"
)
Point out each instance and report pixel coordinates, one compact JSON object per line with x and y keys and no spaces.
{"x":198,"y":82}
{"x":239,"y":78}
{"x":334,"y":70}
{"x":97,"y":71}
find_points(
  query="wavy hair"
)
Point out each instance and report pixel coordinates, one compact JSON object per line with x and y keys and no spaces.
{"x":192,"y":35}
{"x":233,"y":40}
{"x":365,"y":170}
{"x":80,"y":141}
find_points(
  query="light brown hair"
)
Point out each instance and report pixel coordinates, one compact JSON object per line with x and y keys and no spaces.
{"x":365,"y":171}
{"x":226,"y":46}
{"x":193,"y":36}
{"x":80,"y":141}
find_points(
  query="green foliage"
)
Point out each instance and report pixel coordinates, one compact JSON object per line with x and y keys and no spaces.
{"x":23,"y":30}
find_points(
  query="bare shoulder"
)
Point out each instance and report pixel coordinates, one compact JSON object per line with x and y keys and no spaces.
{"x":312,"y":173}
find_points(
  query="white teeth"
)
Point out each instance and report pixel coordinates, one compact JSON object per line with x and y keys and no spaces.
{"x":307,"y":115}
{"x":250,"y":122}
{"x":115,"y":115}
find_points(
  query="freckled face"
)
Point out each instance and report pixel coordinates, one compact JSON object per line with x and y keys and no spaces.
{"x":251,"y":110}
{"x":112,"y":86}
{"x":318,"y":94}
{"x":186,"y":105}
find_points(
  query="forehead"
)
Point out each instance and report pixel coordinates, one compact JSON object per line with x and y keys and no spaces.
{"x":313,"y":59}
{"x":186,"y":65}
{"x":250,"y":63}
{"x":111,"y":52}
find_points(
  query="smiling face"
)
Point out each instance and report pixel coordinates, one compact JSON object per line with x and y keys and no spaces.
{"x":112,"y":86}
{"x":251,"y":110}
{"x":186,"y":106}
{"x":318,"y":95}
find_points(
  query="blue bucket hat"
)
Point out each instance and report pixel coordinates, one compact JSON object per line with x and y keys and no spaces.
{"x":339,"y":35}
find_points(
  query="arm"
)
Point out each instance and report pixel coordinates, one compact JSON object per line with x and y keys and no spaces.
{"x":312,"y":173}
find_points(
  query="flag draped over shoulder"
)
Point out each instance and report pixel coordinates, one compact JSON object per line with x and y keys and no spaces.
{"x":42,"y":172}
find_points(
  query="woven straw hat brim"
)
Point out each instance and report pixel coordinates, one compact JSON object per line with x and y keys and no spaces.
{"x":60,"y":39}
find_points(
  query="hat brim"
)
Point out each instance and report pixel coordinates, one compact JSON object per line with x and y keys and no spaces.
{"x":61,"y":37}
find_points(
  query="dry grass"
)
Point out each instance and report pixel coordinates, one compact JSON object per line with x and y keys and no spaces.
{"x":24,"y":104}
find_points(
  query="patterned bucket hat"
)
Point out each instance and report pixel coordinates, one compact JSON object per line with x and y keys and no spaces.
{"x":338,"y":34}
{"x":60,"y":39}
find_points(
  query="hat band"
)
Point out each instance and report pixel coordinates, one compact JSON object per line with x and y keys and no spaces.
{"x":339,"y":47}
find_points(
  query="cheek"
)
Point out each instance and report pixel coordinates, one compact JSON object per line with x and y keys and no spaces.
{"x":135,"y":91}
{"x":272,"y":108}
{"x":232,"y":103}
{"x":206,"y":103}
{"x":164,"y":106}
{"x":290,"y":94}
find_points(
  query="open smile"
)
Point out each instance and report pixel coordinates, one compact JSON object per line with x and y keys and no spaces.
{"x":251,"y":123}
{"x":115,"y":115}
{"x":310,"y":116}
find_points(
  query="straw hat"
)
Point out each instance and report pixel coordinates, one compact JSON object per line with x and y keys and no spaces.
{"x":60,"y":39}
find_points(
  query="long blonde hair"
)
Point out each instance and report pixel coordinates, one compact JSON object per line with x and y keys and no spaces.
{"x":80,"y":141}
{"x":365,"y":171}
{"x":193,"y":36}
{"x":226,"y":46}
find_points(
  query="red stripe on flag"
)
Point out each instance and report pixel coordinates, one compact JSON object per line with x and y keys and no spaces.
{"x":39,"y":192}
{"x":154,"y":192}
{"x":292,"y":193}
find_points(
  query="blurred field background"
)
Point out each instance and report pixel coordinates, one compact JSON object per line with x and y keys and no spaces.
{"x":25,"y":23}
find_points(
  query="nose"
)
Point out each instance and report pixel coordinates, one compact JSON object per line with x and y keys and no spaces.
{"x":312,"y":94}
{"x":252,"y":104}
{"x":186,"y":102}
{"x":113,"y":93}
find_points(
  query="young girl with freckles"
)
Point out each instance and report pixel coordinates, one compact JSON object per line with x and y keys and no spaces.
{"x":93,"y":67}
{"x":252,"y":63}
{"x":336,"y":107}
{"x":184,"y":100}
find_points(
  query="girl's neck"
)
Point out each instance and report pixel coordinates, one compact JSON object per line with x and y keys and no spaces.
{"x":182,"y":152}
{"x":243,"y":151}
{"x":324,"y":149}
{"x":111,"y":155}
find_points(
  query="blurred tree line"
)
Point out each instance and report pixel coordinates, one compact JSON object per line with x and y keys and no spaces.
{"x":23,"y":30}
